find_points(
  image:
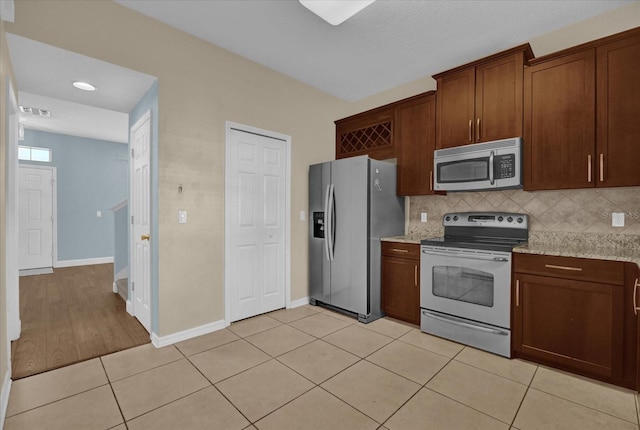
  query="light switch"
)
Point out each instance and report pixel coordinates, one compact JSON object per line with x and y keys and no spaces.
{"x":617,"y":219}
{"x":423,"y":217}
{"x":99,"y":214}
{"x":182,"y":217}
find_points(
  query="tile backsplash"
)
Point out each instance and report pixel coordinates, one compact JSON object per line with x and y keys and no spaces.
{"x":584,"y":210}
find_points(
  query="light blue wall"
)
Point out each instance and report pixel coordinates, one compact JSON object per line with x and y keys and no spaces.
{"x":121,"y":239}
{"x":150,"y":102}
{"x":92,"y":175}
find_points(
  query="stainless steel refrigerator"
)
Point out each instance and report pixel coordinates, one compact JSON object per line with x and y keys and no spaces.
{"x":352,"y":204}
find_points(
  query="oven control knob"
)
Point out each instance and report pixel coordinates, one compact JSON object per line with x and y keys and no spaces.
{"x":510,"y":219}
{"x":448,"y":218}
{"x":455,"y":218}
{"x":520,"y":220}
{"x":500,"y":219}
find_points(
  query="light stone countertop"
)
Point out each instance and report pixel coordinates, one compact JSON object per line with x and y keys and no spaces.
{"x":409,"y":238}
{"x":616,"y":247}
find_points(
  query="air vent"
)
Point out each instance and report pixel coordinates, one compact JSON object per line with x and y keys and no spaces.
{"x":35,"y":111}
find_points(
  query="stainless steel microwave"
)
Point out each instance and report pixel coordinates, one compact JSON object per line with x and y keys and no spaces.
{"x":480,"y":166}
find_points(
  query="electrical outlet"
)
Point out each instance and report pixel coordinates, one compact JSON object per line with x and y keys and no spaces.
{"x":302,"y":216}
{"x":617,"y":219}
{"x":423,"y":217}
{"x":99,"y":214}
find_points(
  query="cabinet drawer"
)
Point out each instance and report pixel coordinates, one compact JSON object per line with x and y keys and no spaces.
{"x":584,"y":269}
{"x":403,"y":250}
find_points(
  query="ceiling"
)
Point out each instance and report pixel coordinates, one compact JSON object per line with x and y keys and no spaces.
{"x":389,"y":43}
{"x":44,"y":74}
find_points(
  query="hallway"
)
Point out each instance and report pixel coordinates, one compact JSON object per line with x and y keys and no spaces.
{"x":70,"y":316}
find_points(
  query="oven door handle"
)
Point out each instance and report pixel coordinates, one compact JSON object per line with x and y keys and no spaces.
{"x":457,"y":321}
{"x":444,"y":253}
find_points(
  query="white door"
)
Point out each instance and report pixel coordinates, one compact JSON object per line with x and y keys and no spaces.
{"x":35,"y":217}
{"x":256,"y":187}
{"x":140,"y":207}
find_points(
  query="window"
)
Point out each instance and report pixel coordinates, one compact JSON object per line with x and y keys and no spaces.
{"x":31,"y":153}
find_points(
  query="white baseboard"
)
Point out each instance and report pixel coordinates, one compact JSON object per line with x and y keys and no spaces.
{"x":160,"y":341}
{"x":115,"y":287}
{"x":300,"y":302}
{"x":39,"y":271}
{"x":130,"y":307}
{"x":83,"y":262}
{"x":124,"y":273}
{"x":4,"y":397}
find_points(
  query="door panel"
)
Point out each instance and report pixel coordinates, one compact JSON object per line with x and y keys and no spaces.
{"x":256,"y":262}
{"x":35,"y":217}
{"x":141,"y":227}
{"x":499,"y":99}
{"x":559,"y":132}
{"x":349,"y":268}
{"x":455,"y":109}
{"x":319,"y":264}
{"x":618,"y":101}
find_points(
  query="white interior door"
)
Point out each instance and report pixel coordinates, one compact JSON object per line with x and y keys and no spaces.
{"x":140,"y":207}
{"x":256,"y":230}
{"x":35,"y":217}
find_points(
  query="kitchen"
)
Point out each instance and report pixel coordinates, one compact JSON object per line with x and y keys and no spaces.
{"x":519,"y":203}
{"x":193,"y":136}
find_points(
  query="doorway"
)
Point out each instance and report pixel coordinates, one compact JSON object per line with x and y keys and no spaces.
{"x":257,"y":222}
{"x":36,"y":217}
{"x":74,"y":267}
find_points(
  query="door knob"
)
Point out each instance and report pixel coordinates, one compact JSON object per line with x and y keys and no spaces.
{"x":144,"y":237}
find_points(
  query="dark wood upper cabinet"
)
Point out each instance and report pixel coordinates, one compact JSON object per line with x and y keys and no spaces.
{"x":481,"y":101}
{"x":456,"y":108}
{"x":404,"y":130}
{"x":618,"y":112}
{"x":415,"y":142}
{"x":370,"y":133}
{"x":581,"y":106}
{"x":559,"y":133}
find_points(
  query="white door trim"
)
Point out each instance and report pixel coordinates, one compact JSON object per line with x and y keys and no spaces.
{"x":14,"y":325}
{"x":130,"y":306}
{"x":229,"y":125}
{"x":54,"y":206}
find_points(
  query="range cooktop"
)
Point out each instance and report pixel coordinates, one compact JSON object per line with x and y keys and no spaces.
{"x":491,"y":231}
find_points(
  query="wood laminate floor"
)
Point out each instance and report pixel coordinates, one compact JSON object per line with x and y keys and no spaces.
{"x":69,"y":316}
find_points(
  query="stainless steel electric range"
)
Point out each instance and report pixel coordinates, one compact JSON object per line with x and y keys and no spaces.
{"x":465,"y":279}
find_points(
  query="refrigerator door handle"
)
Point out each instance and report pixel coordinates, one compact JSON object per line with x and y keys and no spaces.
{"x":326,"y":222}
{"x":330,"y":228}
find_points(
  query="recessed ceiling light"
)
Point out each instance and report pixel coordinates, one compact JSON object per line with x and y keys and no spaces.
{"x":335,"y":12}
{"x":85,"y":86}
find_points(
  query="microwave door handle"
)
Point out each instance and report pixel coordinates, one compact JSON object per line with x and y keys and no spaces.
{"x":444,"y":253}
{"x":491,"y":172}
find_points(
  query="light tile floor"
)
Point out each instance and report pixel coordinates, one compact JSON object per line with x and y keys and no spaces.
{"x":310,"y":368}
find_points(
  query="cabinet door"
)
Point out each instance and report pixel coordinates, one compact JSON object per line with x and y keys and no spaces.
{"x":455,"y":109}
{"x":577,"y":325}
{"x":499,"y":99}
{"x":559,"y":115}
{"x":618,"y":86}
{"x":401,"y":288}
{"x":415,"y":130}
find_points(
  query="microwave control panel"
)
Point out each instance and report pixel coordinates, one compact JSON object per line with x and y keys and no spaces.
{"x":504,"y":166}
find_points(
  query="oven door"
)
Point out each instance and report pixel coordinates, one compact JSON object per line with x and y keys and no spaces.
{"x":466,"y":283}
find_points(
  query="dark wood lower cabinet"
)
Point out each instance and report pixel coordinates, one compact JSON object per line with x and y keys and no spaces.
{"x":401,"y":281}
{"x":566,"y":321}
